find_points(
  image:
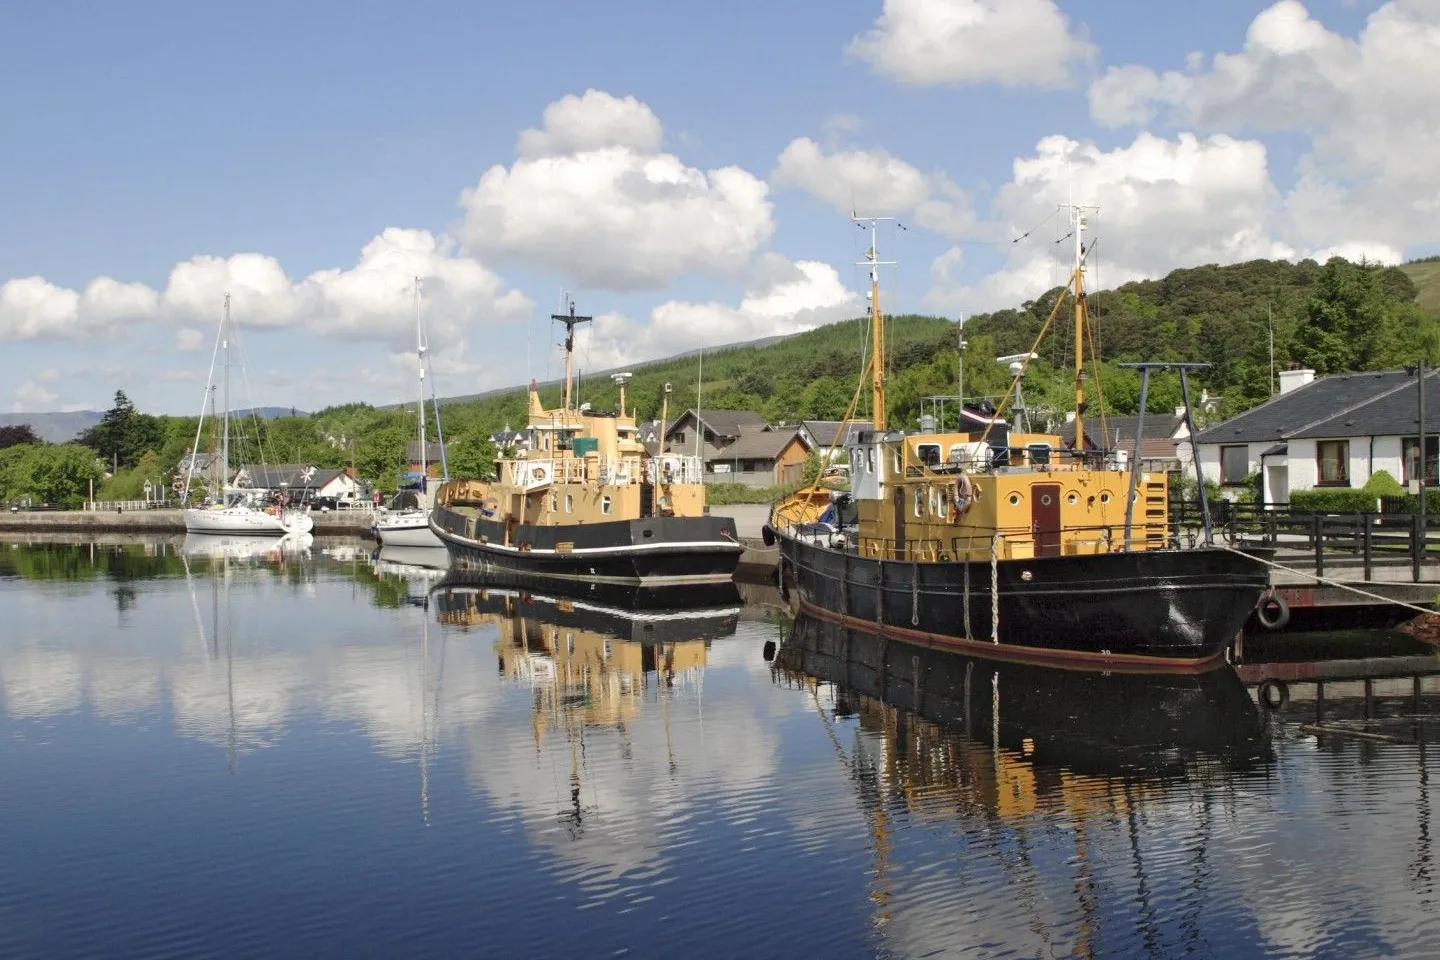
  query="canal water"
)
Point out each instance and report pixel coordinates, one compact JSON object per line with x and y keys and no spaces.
{"x":212,"y":749}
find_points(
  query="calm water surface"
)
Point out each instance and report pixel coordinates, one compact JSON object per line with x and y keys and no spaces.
{"x":232,"y":751}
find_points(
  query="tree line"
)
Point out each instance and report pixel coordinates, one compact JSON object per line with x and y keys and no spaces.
{"x":1333,"y":317}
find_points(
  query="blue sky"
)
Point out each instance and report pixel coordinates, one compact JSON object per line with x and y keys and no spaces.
{"x":687,"y":173}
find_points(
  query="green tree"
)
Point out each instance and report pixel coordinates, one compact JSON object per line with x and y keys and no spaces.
{"x":123,"y":433}
{"x":55,"y":474}
{"x":472,"y":456}
{"x":17,"y":434}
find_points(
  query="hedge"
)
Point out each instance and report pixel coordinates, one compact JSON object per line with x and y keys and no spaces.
{"x":1343,"y":500}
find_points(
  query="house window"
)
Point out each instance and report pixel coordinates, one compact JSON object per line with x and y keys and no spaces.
{"x":605,"y":505}
{"x":1332,"y":463}
{"x":1410,"y":457}
{"x":679,"y":437}
{"x":1234,"y":465}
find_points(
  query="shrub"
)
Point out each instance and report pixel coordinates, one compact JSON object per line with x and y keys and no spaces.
{"x":1383,"y":484}
{"x":1332,"y":501}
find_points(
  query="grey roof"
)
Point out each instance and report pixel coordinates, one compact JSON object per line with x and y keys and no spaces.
{"x":292,"y":475}
{"x":1279,"y":450}
{"x":825,"y":431}
{"x":723,"y":423}
{"x":432,"y":451}
{"x":758,"y":445}
{"x":1158,"y":426}
{"x":1303,"y":410}
{"x":1394,"y":412}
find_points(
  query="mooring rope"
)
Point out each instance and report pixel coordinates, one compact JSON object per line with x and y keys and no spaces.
{"x":995,"y":588}
{"x":967,"y":595}
{"x":1333,"y":583}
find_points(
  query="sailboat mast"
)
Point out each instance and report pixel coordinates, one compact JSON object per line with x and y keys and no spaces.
{"x":420,"y":357}
{"x":225,"y":400}
{"x":570,"y":321}
{"x":877,"y":320}
{"x":1079,"y":221}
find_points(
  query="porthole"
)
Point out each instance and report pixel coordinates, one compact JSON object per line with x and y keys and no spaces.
{"x":1072,"y":498}
{"x":1105,"y":497}
{"x":1014,"y":499}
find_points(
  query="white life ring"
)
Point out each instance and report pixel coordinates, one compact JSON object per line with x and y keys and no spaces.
{"x":964,"y":496}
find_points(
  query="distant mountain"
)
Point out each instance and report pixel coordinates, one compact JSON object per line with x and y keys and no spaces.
{"x":64,"y":427}
{"x":54,"y":427}
{"x":270,"y":413}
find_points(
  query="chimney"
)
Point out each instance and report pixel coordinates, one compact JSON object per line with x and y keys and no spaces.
{"x":1295,"y":379}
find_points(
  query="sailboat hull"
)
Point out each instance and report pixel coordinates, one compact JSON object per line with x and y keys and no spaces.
{"x":244,"y":520}
{"x":658,"y":550}
{"x":410,"y":529}
{"x":1165,"y":609}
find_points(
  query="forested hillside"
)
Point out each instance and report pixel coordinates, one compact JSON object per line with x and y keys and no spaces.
{"x":1333,"y":317}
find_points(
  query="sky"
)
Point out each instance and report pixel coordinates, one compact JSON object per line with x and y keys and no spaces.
{"x":685,"y":172}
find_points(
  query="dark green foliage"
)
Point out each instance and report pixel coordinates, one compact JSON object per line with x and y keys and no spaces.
{"x":124,"y":433}
{"x":1332,"y":501}
{"x":13,"y":436}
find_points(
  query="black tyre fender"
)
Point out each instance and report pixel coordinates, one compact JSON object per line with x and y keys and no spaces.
{"x":1272,"y":612}
{"x":767,"y":534}
{"x":1274,"y":694}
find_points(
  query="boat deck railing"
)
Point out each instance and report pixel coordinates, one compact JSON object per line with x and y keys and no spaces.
{"x":532,"y":473}
{"x":1012,"y":543}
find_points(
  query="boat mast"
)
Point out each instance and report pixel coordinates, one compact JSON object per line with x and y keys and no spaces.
{"x":877,"y":320}
{"x":420,"y":357}
{"x":570,"y":321}
{"x":225,"y":400}
{"x":1078,"y":219}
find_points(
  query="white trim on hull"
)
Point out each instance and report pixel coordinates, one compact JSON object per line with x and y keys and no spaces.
{"x":408,"y":529}
{"x":245,"y":520}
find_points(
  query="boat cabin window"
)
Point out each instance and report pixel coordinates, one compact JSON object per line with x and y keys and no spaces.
{"x":919,"y":501}
{"x":554,"y":503}
{"x":895,"y":456}
{"x":999,"y":456}
{"x":605,"y":505}
{"x":569,"y":503}
{"x":944,"y":512}
{"x":870,"y":460}
{"x":1039,"y":453}
{"x":929,"y":454}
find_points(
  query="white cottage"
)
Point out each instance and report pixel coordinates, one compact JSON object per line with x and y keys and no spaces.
{"x":1322,"y":432}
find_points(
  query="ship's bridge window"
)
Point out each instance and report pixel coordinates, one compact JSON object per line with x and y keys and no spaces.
{"x":999,"y":456}
{"x":1039,"y":453}
{"x":929,"y":454}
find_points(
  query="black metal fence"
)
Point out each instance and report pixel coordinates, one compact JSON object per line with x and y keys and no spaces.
{"x":1371,"y":540}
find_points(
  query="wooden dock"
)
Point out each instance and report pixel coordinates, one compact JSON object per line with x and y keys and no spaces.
{"x":42,"y":522}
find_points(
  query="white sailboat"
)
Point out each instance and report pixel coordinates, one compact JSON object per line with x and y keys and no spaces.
{"x":410,"y":526}
{"x":228,"y":510}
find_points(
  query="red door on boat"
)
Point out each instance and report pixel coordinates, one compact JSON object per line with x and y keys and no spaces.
{"x":1045,"y":519}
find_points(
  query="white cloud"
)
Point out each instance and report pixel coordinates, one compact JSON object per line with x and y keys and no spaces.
{"x":591,"y":122}
{"x":33,"y":308}
{"x":188,"y":338}
{"x":374,"y":299}
{"x":30,"y":397}
{"x":783,"y":298}
{"x":874,"y":182}
{"x":1015,"y":43}
{"x":1163,"y":203}
{"x":1360,"y":100}
{"x":589,"y":197}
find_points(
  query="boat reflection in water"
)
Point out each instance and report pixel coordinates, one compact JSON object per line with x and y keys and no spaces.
{"x":615,"y":681}
{"x":225,"y":546}
{"x":412,"y":562}
{"x":1036,"y":728}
